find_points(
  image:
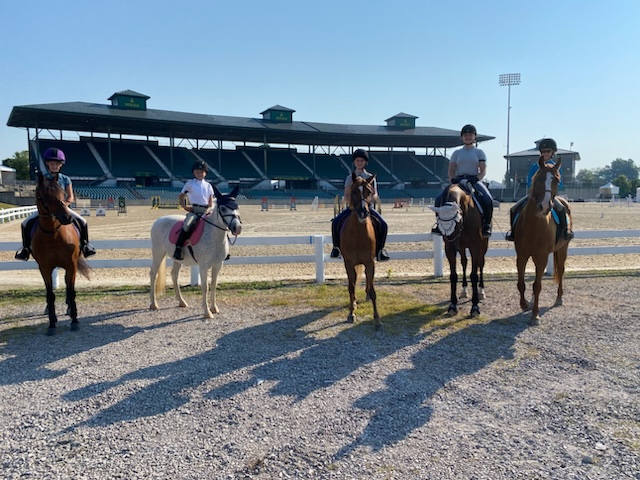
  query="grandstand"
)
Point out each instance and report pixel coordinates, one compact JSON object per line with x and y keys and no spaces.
{"x":127,"y":150}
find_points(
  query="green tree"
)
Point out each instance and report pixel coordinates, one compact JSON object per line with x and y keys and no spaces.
{"x":627,"y":168}
{"x":19,"y":161}
{"x":623,"y":183}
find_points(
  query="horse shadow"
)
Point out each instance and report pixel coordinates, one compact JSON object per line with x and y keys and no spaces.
{"x":172,"y":381}
{"x":21,"y":367}
{"x":403,"y":406}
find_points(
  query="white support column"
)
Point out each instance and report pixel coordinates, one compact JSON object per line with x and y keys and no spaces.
{"x":438,"y":256}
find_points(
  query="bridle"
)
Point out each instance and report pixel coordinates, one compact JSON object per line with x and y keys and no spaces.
{"x":55,"y":215}
{"x":227,"y":218}
{"x":359,"y":203}
{"x":549,"y":178}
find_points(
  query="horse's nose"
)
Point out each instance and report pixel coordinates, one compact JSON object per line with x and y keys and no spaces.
{"x":236,"y":228}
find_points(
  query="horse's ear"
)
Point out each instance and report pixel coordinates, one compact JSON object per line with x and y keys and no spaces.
{"x":541,"y":162}
{"x":234,"y":192}
{"x":558,"y":163}
{"x":216,"y":192}
{"x":353,"y":177}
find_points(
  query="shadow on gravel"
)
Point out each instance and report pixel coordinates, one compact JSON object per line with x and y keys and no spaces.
{"x":404,"y":405}
{"x":171,"y":381}
{"x":22,"y":367}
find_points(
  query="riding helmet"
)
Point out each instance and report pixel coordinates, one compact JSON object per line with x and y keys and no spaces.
{"x":54,"y":154}
{"x":548,"y":143}
{"x":360,"y":153}
{"x":468,"y":129}
{"x":200,"y":165}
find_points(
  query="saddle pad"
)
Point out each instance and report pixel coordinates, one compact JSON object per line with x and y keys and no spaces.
{"x":35,"y":225}
{"x":195,"y":236}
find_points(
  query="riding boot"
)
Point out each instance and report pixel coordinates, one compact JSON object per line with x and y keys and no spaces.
{"x":486,"y":222}
{"x":381,"y":239}
{"x":179,"y":242}
{"x":335,"y":237}
{"x":561,"y":210}
{"x":25,"y":251}
{"x":85,"y":246}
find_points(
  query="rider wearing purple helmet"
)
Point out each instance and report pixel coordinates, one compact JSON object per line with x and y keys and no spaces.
{"x":54,"y":159}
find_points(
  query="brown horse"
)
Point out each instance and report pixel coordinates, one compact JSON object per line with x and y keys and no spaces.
{"x":358,"y":244}
{"x":536,"y":236}
{"x":55,"y":243}
{"x":460,"y":223}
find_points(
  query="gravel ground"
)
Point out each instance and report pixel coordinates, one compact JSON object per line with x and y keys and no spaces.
{"x":272,"y":390}
{"x":269,"y":389}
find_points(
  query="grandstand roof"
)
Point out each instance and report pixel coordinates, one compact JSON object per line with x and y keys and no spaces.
{"x":97,"y":118}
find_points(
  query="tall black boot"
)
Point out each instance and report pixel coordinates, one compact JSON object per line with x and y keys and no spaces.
{"x":181,"y":239}
{"x":25,"y":251}
{"x":86,"y":248}
{"x":335,"y":237}
{"x":486,"y":221}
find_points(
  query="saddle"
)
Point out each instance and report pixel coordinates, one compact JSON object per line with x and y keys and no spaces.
{"x":557,"y":213}
{"x":194,"y":235}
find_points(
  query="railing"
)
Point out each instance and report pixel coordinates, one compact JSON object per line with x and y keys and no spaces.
{"x":320,"y":258}
{"x":9,"y":214}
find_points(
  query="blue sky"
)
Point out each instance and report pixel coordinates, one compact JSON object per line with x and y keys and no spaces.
{"x":357,"y":62}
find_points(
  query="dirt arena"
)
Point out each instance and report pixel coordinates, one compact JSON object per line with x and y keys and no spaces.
{"x":136,"y":224}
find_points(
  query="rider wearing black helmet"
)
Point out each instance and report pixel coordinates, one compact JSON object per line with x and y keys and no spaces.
{"x":470,"y":163}
{"x":548,"y":149}
{"x":199,"y":194}
{"x":360,"y":160}
{"x":54,"y":159}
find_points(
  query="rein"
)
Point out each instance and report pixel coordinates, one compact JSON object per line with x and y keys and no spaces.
{"x":227,"y":224}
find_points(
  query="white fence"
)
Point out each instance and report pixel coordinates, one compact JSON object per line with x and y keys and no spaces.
{"x":9,"y":214}
{"x":320,"y":258}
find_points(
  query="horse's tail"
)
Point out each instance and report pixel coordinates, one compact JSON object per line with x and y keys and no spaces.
{"x":161,"y":279}
{"x":84,"y":268}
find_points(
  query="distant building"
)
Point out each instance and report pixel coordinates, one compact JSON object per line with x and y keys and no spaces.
{"x":7,"y":175}
{"x":519,"y":164}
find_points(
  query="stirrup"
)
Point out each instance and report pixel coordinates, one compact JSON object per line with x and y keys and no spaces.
{"x":382,"y":256}
{"x":88,"y":250}
{"x":335,"y":252}
{"x":23,"y":254}
{"x":509,"y":237}
{"x":486,"y":231}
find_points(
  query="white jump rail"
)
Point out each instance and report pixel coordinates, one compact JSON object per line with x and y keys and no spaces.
{"x":320,"y":258}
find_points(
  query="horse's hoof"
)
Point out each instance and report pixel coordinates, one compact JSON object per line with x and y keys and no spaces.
{"x":351,"y":319}
{"x":482,"y":295}
{"x":51,"y":331}
{"x":153,"y":307}
{"x":453,"y":310}
{"x":75,"y":327}
{"x":475,"y":311}
{"x":183,"y":304}
{"x":535,"y":321}
{"x":463,"y":294}
{"x":558,"y":302}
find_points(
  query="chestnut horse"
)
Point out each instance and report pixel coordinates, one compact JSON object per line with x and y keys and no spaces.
{"x":358,"y":244}
{"x":460,"y":223}
{"x":536,"y":236}
{"x":56,"y":243}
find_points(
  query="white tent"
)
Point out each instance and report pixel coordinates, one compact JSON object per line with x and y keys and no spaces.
{"x":608,"y":190}
{"x":7,"y":175}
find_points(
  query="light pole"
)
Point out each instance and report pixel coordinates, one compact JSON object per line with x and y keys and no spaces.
{"x":508,"y":79}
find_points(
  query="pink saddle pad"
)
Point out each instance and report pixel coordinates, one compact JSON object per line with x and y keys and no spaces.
{"x":195,"y":235}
